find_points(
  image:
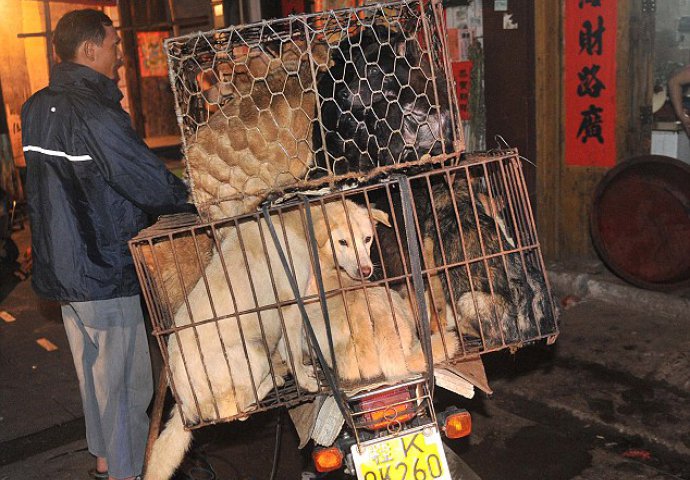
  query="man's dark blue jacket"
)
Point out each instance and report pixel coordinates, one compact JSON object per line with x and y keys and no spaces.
{"x":91,"y":185}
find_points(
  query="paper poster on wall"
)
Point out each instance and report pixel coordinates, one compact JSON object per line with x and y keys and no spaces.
{"x":152,"y":61}
{"x":590,"y":82}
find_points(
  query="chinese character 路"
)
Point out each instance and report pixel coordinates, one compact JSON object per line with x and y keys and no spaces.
{"x":589,"y":83}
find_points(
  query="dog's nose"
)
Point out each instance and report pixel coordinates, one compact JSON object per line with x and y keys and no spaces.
{"x":365,"y":271}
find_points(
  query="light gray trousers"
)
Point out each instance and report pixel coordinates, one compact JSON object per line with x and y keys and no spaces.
{"x":111,"y":356}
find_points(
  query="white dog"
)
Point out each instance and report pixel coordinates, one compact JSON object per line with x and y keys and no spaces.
{"x":220,"y":360}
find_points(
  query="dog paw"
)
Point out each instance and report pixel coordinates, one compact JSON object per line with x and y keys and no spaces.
{"x":279,"y":380}
{"x":416,"y":363}
{"x":307,"y":380}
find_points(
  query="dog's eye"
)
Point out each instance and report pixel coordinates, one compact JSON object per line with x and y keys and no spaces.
{"x":343,"y":242}
{"x":367,"y":239}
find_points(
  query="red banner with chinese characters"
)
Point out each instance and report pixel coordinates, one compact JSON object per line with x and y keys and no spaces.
{"x":461,"y":73}
{"x":590,"y":82}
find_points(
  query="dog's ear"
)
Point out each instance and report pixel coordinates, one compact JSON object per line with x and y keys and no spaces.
{"x":321,"y":234}
{"x":380,"y":216}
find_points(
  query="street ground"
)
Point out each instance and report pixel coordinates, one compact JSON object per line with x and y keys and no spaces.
{"x":610,"y":400}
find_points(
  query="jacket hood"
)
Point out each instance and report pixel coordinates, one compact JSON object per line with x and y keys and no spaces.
{"x":71,"y":76}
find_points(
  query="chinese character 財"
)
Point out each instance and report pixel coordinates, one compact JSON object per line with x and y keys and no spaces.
{"x":589,"y":83}
{"x":591,"y":40}
{"x":591,"y":124}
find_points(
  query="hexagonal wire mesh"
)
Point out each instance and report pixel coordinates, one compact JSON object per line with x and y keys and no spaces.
{"x":311,"y":99}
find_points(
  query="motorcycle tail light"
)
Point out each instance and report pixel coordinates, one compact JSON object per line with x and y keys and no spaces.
{"x":458,"y":425}
{"x":327,"y":459}
{"x":386,"y":408}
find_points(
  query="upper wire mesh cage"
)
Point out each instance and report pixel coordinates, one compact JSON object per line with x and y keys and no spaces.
{"x":312,"y":99}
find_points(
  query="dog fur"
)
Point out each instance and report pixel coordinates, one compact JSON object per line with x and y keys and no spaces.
{"x":255,"y":141}
{"x":372,"y":327}
{"x":174,"y":266}
{"x":397,"y":115}
{"x":496,"y":299}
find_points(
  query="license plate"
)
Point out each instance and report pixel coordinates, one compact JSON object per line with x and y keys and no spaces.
{"x":415,"y":456}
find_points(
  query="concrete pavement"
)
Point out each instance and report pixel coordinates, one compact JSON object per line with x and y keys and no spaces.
{"x":591,"y":279}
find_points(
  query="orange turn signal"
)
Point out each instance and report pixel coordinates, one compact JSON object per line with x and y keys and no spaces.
{"x":327,"y":459}
{"x":458,"y":425}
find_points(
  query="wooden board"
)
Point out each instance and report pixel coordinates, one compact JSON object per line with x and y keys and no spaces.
{"x":564,"y":194}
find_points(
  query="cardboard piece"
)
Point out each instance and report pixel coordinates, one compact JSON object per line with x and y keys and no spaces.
{"x":471,"y":370}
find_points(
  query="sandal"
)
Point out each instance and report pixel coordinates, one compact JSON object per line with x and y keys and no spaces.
{"x":93,"y":473}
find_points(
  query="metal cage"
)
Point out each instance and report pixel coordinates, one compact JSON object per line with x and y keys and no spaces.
{"x":312,"y":99}
{"x":385,"y":279}
{"x":430,"y":257}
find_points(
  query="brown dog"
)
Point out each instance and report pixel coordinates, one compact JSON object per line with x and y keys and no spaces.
{"x":258,"y":140}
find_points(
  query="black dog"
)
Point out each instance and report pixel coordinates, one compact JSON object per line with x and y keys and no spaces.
{"x":379,"y":105}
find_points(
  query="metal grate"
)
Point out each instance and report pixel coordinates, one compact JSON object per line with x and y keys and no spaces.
{"x":310,"y":99}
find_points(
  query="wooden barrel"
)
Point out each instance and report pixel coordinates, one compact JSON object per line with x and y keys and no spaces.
{"x":640,"y":221}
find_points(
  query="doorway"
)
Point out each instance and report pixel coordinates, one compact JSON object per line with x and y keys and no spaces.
{"x":509,"y":79}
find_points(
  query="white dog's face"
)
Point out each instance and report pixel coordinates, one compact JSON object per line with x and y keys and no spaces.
{"x":352,"y":235}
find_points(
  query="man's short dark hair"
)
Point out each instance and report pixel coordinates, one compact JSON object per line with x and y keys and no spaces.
{"x":76,"y":27}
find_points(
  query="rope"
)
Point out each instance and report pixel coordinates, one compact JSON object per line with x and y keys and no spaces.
{"x":276,"y":447}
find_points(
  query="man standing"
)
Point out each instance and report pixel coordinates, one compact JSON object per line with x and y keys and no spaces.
{"x":91,"y":185}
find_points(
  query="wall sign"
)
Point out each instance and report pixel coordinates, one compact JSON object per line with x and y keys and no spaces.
{"x":152,"y":59}
{"x":500,"y":5}
{"x":590,"y":82}
{"x":462,"y":72}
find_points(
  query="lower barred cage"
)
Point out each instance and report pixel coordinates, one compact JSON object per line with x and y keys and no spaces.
{"x":230,"y":327}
